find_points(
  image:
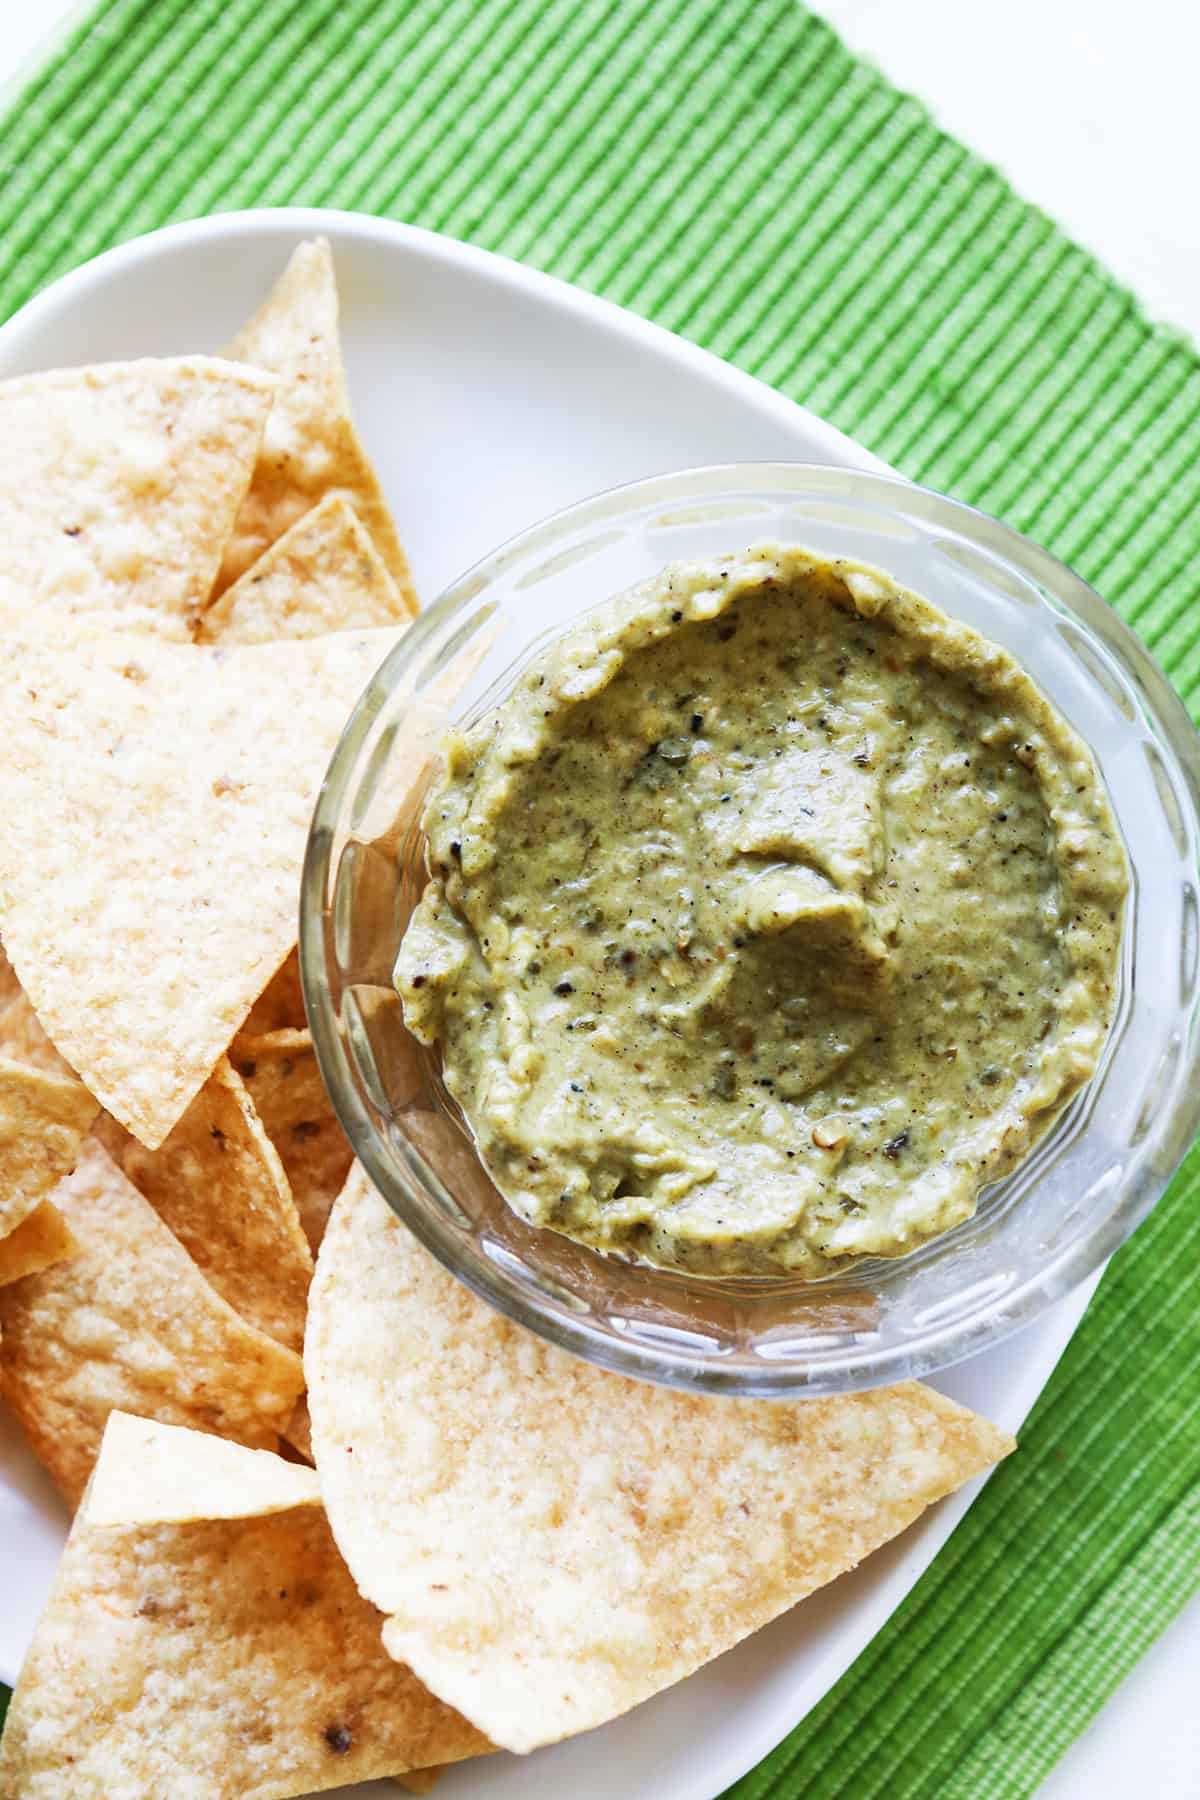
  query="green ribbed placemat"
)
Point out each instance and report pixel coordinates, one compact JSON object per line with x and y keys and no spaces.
{"x":727,"y":168}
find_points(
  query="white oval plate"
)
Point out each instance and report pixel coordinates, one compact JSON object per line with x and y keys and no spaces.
{"x":490,"y":395}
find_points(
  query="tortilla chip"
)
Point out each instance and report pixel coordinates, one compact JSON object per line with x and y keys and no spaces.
{"x":22,"y":1038}
{"x":419,"y":1781}
{"x":554,"y":1544}
{"x":37,"y":1242}
{"x":129,"y":1322}
{"x":10,"y":987}
{"x":149,"y":1473}
{"x":121,"y":485}
{"x":226,"y":1656}
{"x":43,"y":1121}
{"x":310,"y":447}
{"x":280,"y":1071}
{"x":324,"y":574}
{"x":297,"y":1433}
{"x":217,"y":1181}
{"x":280,"y":1006}
{"x":154,"y":806}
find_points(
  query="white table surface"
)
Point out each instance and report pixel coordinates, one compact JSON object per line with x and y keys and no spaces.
{"x":1089,"y":107}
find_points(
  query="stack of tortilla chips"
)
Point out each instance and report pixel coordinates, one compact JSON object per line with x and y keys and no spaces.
{"x":498,"y":1546}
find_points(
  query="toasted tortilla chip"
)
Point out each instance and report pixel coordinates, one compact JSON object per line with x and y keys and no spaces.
{"x":297,"y":1433}
{"x":154,"y":806}
{"x":280,"y":1006}
{"x":280,"y":1071}
{"x":129,"y":1322}
{"x":225,"y":1656}
{"x":43,"y":1121}
{"x":38,"y":1241}
{"x":310,"y":447}
{"x":10,"y":987}
{"x":121,"y":484}
{"x":217,"y":1181}
{"x":419,"y":1781}
{"x":22,"y":1038}
{"x":552,"y":1543}
{"x":149,"y":1473}
{"x":323,"y":574}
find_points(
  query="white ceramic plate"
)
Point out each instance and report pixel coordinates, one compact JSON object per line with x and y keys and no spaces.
{"x":488,"y":396}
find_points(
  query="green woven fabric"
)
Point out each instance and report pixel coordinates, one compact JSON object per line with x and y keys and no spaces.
{"x":727,"y":168}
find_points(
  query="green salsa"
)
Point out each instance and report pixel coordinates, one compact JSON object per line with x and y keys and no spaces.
{"x":770,"y":917}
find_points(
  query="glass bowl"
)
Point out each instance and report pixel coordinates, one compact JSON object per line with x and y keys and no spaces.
{"x":1044,"y":1228}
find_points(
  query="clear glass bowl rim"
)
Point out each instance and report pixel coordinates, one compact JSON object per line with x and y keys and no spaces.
{"x":939,"y":1347}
